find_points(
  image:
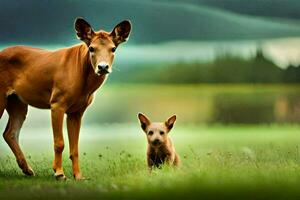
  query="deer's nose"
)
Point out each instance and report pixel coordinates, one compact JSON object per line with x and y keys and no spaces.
{"x":103,"y":66}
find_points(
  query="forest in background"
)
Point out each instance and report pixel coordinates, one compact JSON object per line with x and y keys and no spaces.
{"x":224,"y":69}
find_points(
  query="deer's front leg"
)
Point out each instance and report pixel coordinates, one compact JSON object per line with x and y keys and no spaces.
{"x":57,"y":116}
{"x":73,"y":123}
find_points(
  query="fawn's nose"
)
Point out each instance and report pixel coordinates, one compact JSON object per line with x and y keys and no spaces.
{"x":156,"y":142}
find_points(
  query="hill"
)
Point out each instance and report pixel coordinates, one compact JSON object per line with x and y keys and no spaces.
{"x":37,"y":22}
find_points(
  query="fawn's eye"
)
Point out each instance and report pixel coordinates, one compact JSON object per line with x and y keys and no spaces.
{"x":161,"y":132}
{"x":113,"y":49}
{"x":91,"y":49}
{"x":150,"y":133}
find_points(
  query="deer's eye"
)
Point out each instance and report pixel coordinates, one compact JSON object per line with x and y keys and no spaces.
{"x":161,"y":132}
{"x":150,"y":133}
{"x":91,"y":49}
{"x":113,"y":49}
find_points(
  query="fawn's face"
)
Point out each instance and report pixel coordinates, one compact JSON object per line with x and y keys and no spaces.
{"x":102,"y":45}
{"x":156,"y":132}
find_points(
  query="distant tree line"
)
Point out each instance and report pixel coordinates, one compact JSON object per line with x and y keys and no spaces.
{"x":224,"y":69}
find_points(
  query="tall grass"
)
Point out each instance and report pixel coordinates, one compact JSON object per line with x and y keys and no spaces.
{"x":234,"y":162}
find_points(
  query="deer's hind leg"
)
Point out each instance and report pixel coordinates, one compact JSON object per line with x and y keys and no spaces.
{"x":17,"y":112}
{"x":2,"y":104}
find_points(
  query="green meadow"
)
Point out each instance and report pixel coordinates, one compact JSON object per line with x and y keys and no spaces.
{"x":197,"y":103}
{"x":235,"y":142}
{"x":234,"y":162}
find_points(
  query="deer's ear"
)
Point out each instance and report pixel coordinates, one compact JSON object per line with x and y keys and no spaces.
{"x":121,"y":32}
{"x":170,"y":122}
{"x":84,"y":30}
{"x":145,"y":122}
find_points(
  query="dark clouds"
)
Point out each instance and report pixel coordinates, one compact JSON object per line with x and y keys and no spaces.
{"x":43,"y":21}
{"x":288,"y":9}
{"x":51,"y":21}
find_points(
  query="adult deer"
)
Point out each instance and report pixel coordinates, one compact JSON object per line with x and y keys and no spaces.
{"x":63,"y":81}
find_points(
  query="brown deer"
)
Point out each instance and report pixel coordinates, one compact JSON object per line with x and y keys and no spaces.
{"x":63,"y":81}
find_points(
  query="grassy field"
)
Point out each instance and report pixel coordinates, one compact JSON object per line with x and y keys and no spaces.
{"x":199,"y":103}
{"x":227,"y":162}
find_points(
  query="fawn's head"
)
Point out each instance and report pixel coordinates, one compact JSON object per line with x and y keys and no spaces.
{"x":156,"y":132}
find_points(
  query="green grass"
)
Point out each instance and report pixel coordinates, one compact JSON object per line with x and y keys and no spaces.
{"x":198,"y":103}
{"x":227,"y":162}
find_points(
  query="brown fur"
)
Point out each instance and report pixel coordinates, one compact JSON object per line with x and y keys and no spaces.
{"x":160,"y":148}
{"x":63,"y":81}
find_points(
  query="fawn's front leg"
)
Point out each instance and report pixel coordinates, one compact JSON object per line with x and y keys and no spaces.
{"x":170,"y":158}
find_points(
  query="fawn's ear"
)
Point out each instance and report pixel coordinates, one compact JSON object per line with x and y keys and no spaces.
{"x":84,"y":30}
{"x":170,"y":122}
{"x":121,"y":32}
{"x":144,"y":121}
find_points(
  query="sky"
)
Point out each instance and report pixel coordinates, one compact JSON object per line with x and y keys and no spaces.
{"x":204,"y":26}
{"x":51,"y":22}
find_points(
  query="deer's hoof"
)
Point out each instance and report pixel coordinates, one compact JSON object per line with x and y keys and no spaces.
{"x":28,"y":171}
{"x":60,"y":177}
